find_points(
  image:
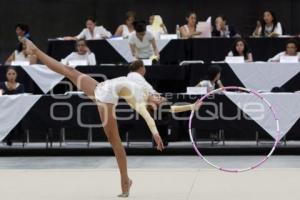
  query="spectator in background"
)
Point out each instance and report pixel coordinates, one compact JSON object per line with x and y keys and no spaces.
{"x":126,"y":29}
{"x":213,"y":78}
{"x":82,"y":53}
{"x":149,"y":27}
{"x":20,"y":54}
{"x":10,"y":86}
{"x":189,"y":30}
{"x":291,"y":49}
{"x":91,"y":32}
{"x":222,"y":29}
{"x":142,"y":42}
{"x":22,"y":30}
{"x":268,"y":27}
{"x":241,"y":48}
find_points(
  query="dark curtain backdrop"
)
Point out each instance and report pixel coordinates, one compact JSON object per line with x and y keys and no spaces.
{"x":50,"y":18}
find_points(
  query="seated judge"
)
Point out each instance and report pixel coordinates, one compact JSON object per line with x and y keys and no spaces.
{"x":142,"y":42}
{"x":91,"y":32}
{"x":189,"y":30}
{"x":126,"y":29}
{"x":223,"y":29}
{"x":240,"y":48}
{"x":163,"y":28}
{"x":213,"y":79}
{"x":82,"y":53}
{"x":291,"y":49}
{"x":268,"y":26}
{"x":11,"y":86}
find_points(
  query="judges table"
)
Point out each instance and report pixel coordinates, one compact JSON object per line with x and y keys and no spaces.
{"x":70,"y":111}
{"x":174,"y":78}
{"x":173,"y":51}
{"x":78,"y":116}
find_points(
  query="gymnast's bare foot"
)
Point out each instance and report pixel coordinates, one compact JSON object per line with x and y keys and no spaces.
{"x":126,"y":188}
{"x":30,"y":47}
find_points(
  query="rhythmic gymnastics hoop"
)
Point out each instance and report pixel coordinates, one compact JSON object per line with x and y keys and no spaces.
{"x":201,"y":156}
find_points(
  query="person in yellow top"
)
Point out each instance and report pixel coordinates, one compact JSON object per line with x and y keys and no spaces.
{"x":106,"y":94}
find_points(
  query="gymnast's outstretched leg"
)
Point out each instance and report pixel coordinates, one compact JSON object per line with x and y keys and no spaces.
{"x":106,"y":111}
{"x":82,"y":81}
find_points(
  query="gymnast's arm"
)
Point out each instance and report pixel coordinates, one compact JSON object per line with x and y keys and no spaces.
{"x":184,"y":108}
{"x":142,"y":110}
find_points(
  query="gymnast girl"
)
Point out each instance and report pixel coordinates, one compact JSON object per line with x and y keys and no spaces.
{"x":106,"y":95}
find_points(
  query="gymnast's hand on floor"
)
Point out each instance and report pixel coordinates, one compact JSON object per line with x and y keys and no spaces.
{"x":159,"y":142}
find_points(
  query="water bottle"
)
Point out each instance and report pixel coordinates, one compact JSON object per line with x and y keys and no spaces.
{"x":178,"y":31}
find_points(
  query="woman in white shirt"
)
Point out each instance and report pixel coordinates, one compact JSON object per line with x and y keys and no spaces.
{"x":21,"y":55}
{"x":142,"y":43}
{"x":91,"y":32}
{"x":83,"y":53}
{"x":291,"y":49}
{"x":126,"y":29}
{"x":189,"y":30}
{"x":241,"y":48}
{"x":213,"y":79}
{"x":269,"y":27}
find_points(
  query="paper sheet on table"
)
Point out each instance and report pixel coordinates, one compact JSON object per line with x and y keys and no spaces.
{"x":205,"y":29}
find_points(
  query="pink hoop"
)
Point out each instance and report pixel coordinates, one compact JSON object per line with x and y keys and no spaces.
{"x":231,"y":169}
